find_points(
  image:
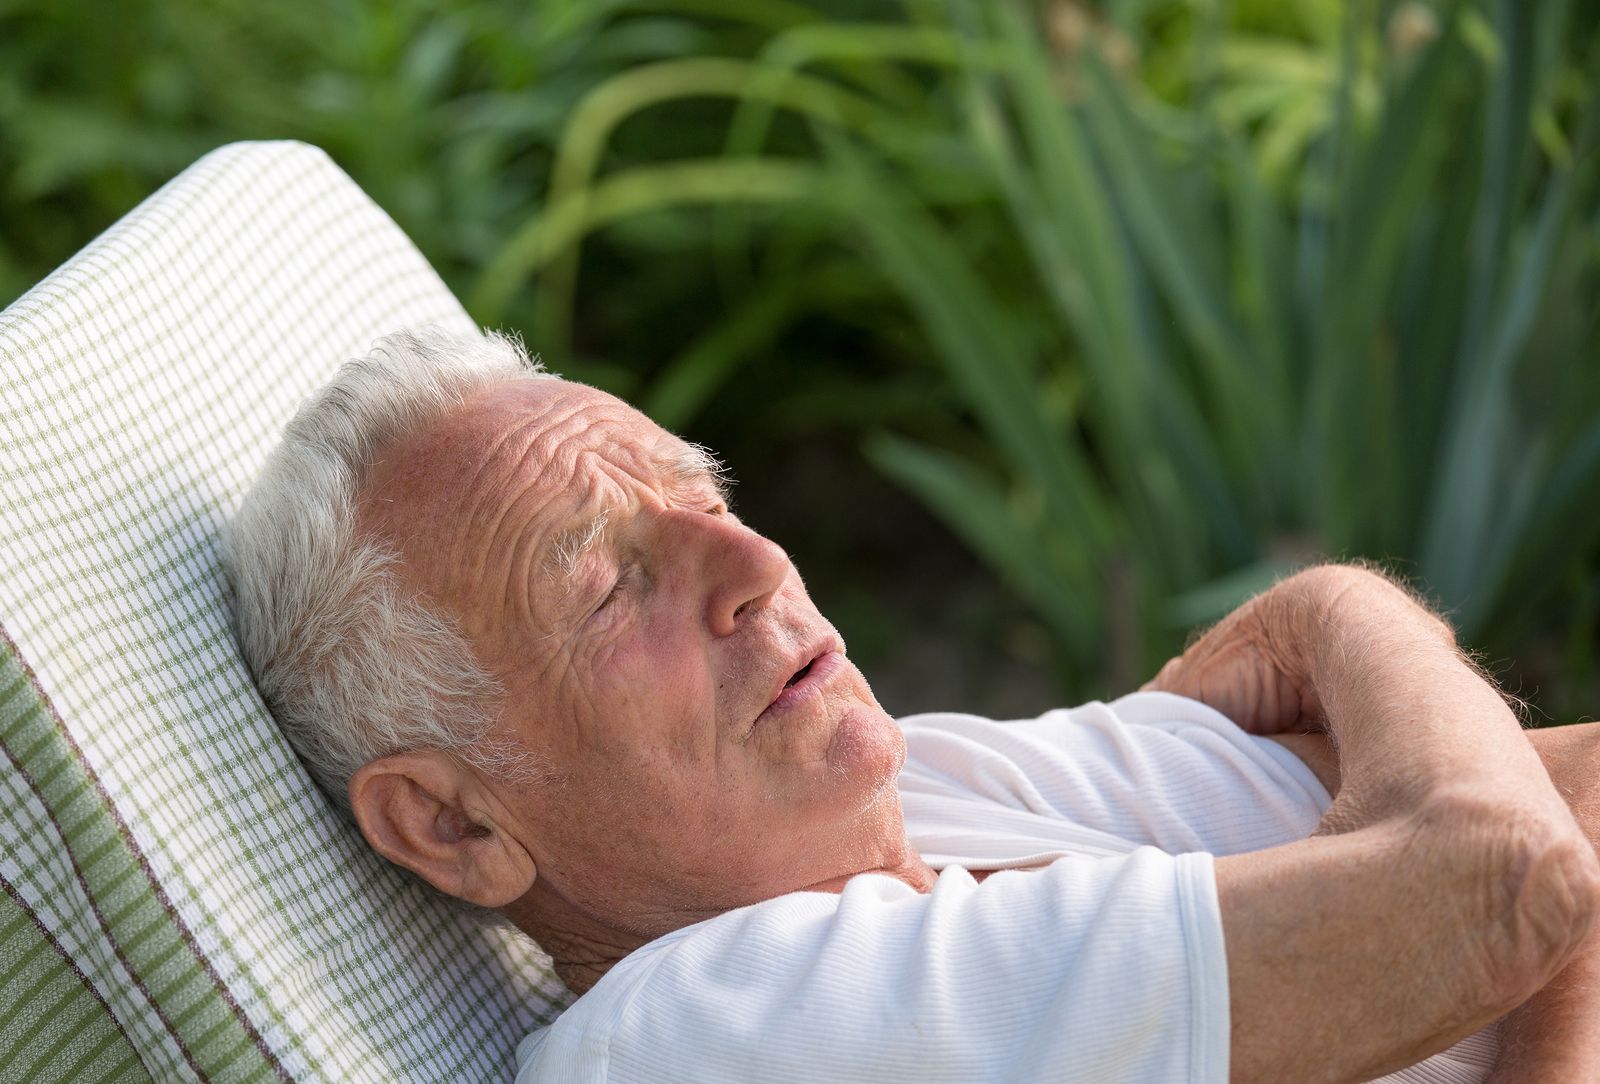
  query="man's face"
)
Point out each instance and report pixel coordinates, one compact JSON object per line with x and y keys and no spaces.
{"x":711,"y":743}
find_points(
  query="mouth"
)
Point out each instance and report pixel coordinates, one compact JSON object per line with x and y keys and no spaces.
{"x":812,"y":669}
{"x":798,"y":674}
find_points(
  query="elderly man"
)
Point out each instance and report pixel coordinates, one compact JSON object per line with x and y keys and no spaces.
{"x":515,"y":627}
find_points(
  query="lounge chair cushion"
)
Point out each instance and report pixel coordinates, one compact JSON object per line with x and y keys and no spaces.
{"x":179,"y":901}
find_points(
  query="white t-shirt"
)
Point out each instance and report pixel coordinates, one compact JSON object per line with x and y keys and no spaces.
{"x":1096,"y":956}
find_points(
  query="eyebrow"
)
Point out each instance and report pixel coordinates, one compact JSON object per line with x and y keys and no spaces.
{"x":695,"y":464}
{"x":572,"y":543}
{"x":692,"y":465}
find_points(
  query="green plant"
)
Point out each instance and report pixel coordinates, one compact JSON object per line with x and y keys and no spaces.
{"x":1198,"y":349}
{"x":445,"y":113}
{"x":1360,"y":378}
{"x":1147,"y":300}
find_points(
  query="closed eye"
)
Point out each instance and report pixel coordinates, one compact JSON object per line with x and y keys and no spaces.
{"x":624,"y":580}
{"x":611,"y":595}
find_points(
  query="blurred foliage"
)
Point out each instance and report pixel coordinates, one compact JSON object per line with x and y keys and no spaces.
{"x":446,"y":114}
{"x":1147,"y":300}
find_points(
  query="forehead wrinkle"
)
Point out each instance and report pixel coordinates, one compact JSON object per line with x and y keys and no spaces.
{"x":541,"y":456}
{"x":484,"y":506}
{"x":682,"y":469}
{"x":427,"y":514}
{"x":547,"y":458}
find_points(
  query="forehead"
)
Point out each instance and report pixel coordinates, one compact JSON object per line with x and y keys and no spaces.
{"x":526,"y":442}
{"x":545,"y":426}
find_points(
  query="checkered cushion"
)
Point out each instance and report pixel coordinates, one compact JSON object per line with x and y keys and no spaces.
{"x":179,"y":901}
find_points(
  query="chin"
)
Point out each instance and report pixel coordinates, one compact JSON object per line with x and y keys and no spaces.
{"x":868,"y":747}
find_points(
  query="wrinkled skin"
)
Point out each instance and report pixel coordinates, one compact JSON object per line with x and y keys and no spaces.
{"x":642,"y":674}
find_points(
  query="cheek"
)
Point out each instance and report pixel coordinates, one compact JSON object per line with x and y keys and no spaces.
{"x":653,"y":690}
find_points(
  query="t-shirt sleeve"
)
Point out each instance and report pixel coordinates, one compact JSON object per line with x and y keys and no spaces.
{"x":1150,"y":768}
{"x":1106,"y":970}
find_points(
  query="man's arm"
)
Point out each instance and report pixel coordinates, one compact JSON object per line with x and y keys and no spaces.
{"x":1448,"y":881}
{"x":1553,"y":1035}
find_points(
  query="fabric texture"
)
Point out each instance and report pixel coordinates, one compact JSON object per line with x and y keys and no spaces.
{"x":1093,"y":955}
{"x":173,"y":883}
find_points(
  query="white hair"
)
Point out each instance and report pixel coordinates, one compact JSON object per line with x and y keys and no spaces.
{"x":352,"y":664}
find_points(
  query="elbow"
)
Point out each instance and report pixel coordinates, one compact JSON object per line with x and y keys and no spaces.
{"x":1554,"y":904}
{"x":1536,"y":880}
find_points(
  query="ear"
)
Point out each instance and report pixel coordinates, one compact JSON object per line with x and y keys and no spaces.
{"x":426,"y":812}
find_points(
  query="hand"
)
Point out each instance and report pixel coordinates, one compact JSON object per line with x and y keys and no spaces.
{"x":1253,"y":666}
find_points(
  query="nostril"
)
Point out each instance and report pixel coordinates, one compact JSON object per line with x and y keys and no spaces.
{"x":739,"y":612}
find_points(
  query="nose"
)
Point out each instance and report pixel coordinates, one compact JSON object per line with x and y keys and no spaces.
{"x":743,"y":570}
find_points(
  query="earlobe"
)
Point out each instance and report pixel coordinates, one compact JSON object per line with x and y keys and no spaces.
{"x":425,"y":812}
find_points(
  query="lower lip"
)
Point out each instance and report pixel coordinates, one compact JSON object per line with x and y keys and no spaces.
{"x":823,"y":668}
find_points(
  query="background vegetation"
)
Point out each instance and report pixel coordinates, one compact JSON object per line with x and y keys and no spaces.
{"x":1044,"y":331}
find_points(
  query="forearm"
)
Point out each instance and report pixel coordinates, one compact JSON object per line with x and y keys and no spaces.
{"x":1355,"y":955}
{"x":1555,"y":1035}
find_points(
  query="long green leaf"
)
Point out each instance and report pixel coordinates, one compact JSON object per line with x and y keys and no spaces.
{"x":646,"y":188}
{"x":1470,"y":537}
{"x":980,"y":346}
{"x":1358,"y":486}
{"x":870,"y":54}
{"x":1183,"y":249}
{"x":1065,"y":216}
{"x":600,"y":113}
{"x":1147,"y":427}
{"x":974,"y":507}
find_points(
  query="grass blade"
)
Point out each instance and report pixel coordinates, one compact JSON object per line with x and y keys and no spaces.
{"x":974,"y":507}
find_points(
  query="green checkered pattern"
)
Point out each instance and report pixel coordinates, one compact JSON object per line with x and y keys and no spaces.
{"x":179,"y":902}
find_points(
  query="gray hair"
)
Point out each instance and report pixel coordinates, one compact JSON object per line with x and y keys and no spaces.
{"x":354,"y":666}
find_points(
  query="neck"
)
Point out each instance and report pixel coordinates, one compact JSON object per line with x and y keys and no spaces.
{"x":583,"y":945}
